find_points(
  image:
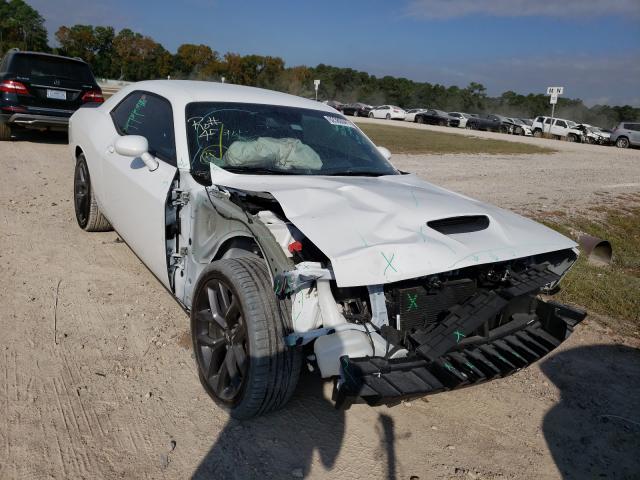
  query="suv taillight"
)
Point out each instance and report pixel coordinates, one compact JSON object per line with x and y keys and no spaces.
{"x":93,"y":96}
{"x":11,"y":86}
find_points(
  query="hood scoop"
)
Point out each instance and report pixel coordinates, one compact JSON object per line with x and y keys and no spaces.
{"x":463,"y":224}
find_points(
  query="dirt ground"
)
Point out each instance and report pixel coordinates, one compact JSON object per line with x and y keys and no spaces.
{"x":97,"y":378}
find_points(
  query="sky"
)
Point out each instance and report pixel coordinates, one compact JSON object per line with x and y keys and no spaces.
{"x":591,"y":47}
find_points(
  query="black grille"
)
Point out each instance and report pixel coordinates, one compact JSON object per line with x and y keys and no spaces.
{"x":419,"y":306}
{"x":464,"y":224}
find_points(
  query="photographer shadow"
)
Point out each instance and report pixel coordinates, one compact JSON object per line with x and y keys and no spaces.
{"x":594,"y":431}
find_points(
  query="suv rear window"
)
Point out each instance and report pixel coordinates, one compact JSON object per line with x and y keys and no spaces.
{"x":45,"y":66}
{"x":632,"y":126}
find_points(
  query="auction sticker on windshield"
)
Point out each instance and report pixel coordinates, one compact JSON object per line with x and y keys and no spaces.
{"x":342,"y":122}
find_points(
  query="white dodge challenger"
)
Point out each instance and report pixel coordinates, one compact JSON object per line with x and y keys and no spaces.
{"x":290,"y":238}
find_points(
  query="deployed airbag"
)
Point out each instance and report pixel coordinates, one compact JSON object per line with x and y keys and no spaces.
{"x":282,"y":153}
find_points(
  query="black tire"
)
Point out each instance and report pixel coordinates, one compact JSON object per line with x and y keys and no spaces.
{"x":537,"y":133}
{"x":419,"y":120}
{"x":442,"y":123}
{"x":472,"y":126}
{"x":254,"y":323}
{"x":88,"y":214}
{"x":388,"y":116}
{"x":622,"y":142}
{"x":572,"y":138}
{"x":5,"y":132}
{"x":370,"y":115}
{"x":590,"y":140}
{"x":355,"y":113}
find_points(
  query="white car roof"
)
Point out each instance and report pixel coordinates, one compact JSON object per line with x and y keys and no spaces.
{"x":182,"y":92}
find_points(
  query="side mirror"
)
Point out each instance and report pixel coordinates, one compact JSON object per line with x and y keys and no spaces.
{"x":385,"y":152}
{"x":136,"y":146}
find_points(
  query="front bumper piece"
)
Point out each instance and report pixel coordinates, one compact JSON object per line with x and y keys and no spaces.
{"x":449,"y":356}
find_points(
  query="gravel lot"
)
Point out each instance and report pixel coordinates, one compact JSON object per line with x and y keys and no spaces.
{"x":111,"y":391}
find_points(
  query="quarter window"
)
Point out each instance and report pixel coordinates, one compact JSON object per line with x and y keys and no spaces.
{"x":150,"y":116}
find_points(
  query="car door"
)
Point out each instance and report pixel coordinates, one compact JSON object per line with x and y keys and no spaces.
{"x":559,"y":128}
{"x":137,"y":197}
{"x":634,"y":133}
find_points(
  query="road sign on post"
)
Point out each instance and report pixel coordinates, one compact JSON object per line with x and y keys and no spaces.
{"x":316,"y":84}
{"x":553,"y":100}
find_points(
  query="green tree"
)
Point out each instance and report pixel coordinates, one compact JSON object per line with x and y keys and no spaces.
{"x":21,"y":26}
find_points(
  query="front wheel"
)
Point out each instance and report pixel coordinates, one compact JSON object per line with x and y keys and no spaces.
{"x":419,"y":120}
{"x":622,"y":142}
{"x":371,"y":115}
{"x":537,"y":133}
{"x":572,"y":138}
{"x":88,"y":213}
{"x":388,"y":116}
{"x":355,"y":113}
{"x":238,"y":328}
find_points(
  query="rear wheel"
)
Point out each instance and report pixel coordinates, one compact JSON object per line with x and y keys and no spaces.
{"x":388,"y":116}
{"x":622,"y":142}
{"x":5,"y":132}
{"x":370,"y":115}
{"x":355,"y":113}
{"x":238,"y":327}
{"x":88,"y":214}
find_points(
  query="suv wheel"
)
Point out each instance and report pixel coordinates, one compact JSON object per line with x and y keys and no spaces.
{"x":238,"y":328}
{"x":572,"y":138}
{"x":88,"y":214}
{"x":537,"y":133}
{"x":622,"y":142}
{"x":5,"y":132}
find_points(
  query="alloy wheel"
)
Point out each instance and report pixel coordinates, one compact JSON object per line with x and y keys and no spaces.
{"x":220,"y":341}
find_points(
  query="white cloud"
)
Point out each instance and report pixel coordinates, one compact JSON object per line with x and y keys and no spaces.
{"x":445,"y":9}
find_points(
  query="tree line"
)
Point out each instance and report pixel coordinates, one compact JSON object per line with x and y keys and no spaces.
{"x":131,"y":56}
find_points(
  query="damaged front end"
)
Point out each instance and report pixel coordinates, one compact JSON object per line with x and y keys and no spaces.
{"x":392,"y":337}
{"x":423,"y":336}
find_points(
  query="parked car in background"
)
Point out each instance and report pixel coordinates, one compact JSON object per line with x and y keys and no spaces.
{"x":559,"y":127}
{"x":334,"y":104}
{"x":356,"y":109}
{"x":436,"y":117}
{"x":489,"y":122}
{"x":41,"y":91}
{"x":592,"y":134}
{"x":410,"y":116}
{"x":626,"y":134}
{"x":462,"y":118}
{"x":519,"y":127}
{"x":390,"y":112}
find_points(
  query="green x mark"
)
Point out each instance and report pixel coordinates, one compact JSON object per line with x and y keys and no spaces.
{"x":389,"y":263}
{"x":459,"y":335}
{"x":413,"y":305}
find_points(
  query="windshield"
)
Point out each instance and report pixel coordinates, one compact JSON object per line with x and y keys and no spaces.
{"x":270,"y":139}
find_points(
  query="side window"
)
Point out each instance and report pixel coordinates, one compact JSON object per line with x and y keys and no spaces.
{"x":150,"y":116}
{"x":547,"y":121}
{"x":561,"y":123}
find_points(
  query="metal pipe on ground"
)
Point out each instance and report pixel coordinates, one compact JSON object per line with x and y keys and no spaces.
{"x":597,"y":250}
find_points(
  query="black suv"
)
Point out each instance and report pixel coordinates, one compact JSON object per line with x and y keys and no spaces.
{"x":41,"y":91}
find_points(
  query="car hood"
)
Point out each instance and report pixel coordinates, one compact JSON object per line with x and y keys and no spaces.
{"x":374,"y":229}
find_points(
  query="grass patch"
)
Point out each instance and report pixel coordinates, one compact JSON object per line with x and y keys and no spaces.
{"x":418,"y":141}
{"x":613,"y":291}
